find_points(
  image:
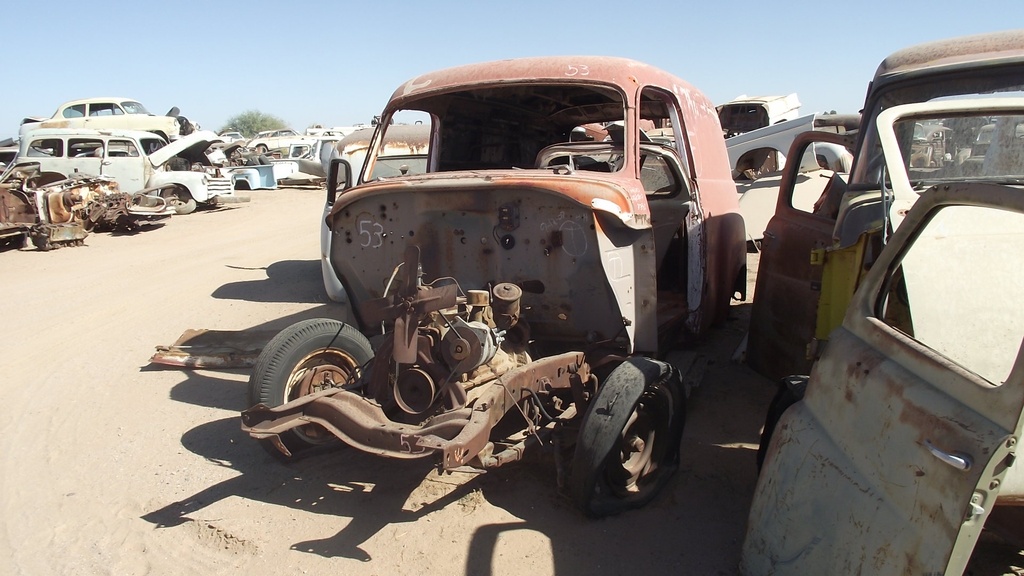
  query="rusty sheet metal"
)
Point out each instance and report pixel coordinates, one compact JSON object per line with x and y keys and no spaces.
{"x":458,"y":435}
{"x":48,"y":213}
{"x":611,"y":193}
{"x":17,"y":214}
{"x":783,"y":316}
{"x":479,"y":232}
{"x":201,"y":348}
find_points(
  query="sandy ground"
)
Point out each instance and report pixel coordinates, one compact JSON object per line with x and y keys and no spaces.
{"x":111,"y":465}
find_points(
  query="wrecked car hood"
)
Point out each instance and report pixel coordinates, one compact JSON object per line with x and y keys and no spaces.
{"x":191,"y":147}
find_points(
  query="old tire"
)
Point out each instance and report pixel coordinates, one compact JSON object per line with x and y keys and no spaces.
{"x":791,"y":390}
{"x":184,"y":207}
{"x":261,"y":149}
{"x":301,"y":359}
{"x":628,"y":445}
{"x":180,"y":200}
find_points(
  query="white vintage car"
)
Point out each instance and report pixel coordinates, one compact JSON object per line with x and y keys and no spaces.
{"x":113,"y":113}
{"x":137,"y":160}
{"x":281,"y":139}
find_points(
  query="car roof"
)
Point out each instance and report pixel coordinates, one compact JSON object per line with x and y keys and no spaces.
{"x":607,"y":70}
{"x":98,"y":99}
{"x":952,"y":53}
{"x":39,"y":132}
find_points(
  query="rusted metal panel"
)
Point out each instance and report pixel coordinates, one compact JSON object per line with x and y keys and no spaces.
{"x":214,"y":349}
{"x":458,"y":226}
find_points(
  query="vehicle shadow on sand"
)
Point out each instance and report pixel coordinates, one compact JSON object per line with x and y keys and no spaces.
{"x":696,"y":525}
{"x":297,"y":281}
{"x":140,"y":228}
{"x":373,"y":493}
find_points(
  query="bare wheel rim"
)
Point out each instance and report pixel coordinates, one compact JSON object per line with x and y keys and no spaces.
{"x":635,"y":452}
{"x":319,"y":370}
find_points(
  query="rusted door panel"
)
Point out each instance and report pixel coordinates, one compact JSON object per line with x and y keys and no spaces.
{"x":856,"y":489}
{"x":785,"y":305}
{"x":897,"y":453}
{"x":782,"y":318}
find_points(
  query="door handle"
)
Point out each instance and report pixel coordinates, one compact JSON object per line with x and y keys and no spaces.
{"x":957,"y":460}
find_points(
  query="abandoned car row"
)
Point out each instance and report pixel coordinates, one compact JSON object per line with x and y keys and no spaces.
{"x":522,"y":243}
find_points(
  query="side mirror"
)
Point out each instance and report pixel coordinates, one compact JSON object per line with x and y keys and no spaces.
{"x":339,"y":178}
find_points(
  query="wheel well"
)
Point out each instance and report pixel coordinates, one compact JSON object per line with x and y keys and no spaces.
{"x":179,"y":190}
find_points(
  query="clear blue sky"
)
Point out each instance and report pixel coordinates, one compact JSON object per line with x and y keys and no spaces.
{"x":335,"y":63}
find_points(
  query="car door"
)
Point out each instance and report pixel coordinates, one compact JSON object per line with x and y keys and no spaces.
{"x":906,"y":435}
{"x":124,"y":163}
{"x":783,"y":315}
{"x":104,"y":115}
{"x":84,"y":156}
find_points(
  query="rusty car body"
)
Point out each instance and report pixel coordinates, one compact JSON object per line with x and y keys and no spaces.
{"x":519,"y":291}
{"x":812,"y":259}
{"x":53,"y":211}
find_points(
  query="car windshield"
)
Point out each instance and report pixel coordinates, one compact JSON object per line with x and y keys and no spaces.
{"x":132,"y":107}
{"x":150,"y":145}
{"x":403,"y":165}
{"x":505,"y":126}
{"x":976,"y":146}
{"x":1001,"y":81}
